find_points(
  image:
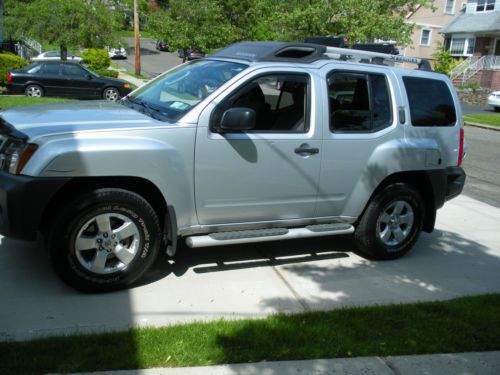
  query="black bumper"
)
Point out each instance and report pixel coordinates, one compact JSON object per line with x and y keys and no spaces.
{"x":455,"y":181}
{"x":23,"y":200}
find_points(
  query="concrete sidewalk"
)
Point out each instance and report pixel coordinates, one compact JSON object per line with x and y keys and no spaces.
{"x":486,"y":363}
{"x":461,"y":257}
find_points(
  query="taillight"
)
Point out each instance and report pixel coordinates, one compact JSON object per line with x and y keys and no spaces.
{"x":9,"y":77}
{"x":461,"y":147}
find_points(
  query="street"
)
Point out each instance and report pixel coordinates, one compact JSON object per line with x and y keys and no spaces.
{"x":481,"y":165}
{"x":153,"y":62}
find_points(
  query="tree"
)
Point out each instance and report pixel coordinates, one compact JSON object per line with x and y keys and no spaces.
{"x":67,"y":23}
{"x":192,"y":23}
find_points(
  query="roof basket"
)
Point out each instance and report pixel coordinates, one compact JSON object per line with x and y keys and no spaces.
{"x":346,"y":54}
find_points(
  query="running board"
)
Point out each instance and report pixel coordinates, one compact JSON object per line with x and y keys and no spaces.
{"x":263,"y":235}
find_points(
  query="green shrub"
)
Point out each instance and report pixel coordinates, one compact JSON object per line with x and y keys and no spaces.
{"x":106,"y":72}
{"x":445,"y":62}
{"x":9,"y":61}
{"x":96,"y":59}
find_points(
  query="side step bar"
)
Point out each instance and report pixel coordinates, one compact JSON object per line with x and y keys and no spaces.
{"x":263,"y":235}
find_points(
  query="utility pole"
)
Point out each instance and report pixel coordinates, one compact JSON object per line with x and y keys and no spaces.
{"x":137,"y":41}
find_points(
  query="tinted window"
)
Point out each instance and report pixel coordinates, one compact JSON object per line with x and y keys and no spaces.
{"x":279,"y":102}
{"x":431,"y":103}
{"x":32,"y":69}
{"x":359,"y":102}
{"x":73,"y":70}
{"x":52,"y":69}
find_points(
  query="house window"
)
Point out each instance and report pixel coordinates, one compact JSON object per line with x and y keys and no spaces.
{"x":485,"y":5}
{"x":449,"y":7}
{"x":425,"y":37}
{"x":462,"y":46}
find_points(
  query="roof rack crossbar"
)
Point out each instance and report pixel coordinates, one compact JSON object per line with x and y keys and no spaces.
{"x":346,"y":54}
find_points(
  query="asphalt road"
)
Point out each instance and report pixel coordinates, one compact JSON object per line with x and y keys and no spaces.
{"x":483,"y":172}
{"x":153,"y":62}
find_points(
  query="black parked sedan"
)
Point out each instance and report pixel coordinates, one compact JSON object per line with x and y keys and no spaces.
{"x":60,"y":78}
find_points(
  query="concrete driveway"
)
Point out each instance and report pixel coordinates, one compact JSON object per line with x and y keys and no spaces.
{"x":461,"y":257}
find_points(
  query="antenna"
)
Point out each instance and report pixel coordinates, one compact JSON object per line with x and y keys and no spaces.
{"x":347,"y":54}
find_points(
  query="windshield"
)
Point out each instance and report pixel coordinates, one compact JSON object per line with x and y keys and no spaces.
{"x":175,"y":93}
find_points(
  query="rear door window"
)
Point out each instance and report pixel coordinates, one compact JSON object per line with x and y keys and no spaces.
{"x":50,"y":69}
{"x":359,"y":102}
{"x":431,"y":103}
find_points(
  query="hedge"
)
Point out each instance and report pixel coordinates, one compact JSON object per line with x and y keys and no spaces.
{"x":96,"y":59}
{"x":9,"y":61}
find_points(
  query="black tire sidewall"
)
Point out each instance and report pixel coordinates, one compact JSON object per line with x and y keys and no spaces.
{"x":62,"y":252}
{"x":366,"y":232}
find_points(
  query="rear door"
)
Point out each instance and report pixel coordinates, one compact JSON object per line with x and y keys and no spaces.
{"x":359,"y":146}
{"x":50,"y":78}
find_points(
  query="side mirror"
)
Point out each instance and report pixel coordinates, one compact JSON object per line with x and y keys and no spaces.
{"x":89,"y":77}
{"x":238,"y":118}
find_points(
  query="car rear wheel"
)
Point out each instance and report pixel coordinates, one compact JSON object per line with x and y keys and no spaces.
{"x":391,"y":224}
{"x":105,"y":240}
{"x":111,"y":93}
{"x":34,"y":91}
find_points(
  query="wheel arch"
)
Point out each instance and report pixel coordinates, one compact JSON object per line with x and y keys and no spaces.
{"x":79,"y":185}
{"x":426,"y":183}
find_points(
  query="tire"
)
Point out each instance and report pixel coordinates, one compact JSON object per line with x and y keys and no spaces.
{"x":34,"y":91}
{"x":497,"y":109}
{"x":104,"y":240}
{"x":391,"y":223}
{"x":111,"y":94}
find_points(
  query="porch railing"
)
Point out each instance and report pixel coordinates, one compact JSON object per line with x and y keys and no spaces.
{"x":492,"y":62}
{"x":463,"y":66}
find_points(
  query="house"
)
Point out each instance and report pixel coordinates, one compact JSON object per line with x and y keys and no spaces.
{"x":474,"y":34}
{"x":429,"y":23}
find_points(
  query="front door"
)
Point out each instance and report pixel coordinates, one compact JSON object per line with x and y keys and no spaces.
{"x":78,"y":82}
{"x":267,"y":174}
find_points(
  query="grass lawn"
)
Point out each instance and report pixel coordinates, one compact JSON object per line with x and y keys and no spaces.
{"x":460,"y":325}
{"x":486,"y":119}
{"x":13,"y":101}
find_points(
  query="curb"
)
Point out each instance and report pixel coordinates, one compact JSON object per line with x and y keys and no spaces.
{"x":482,"y":126}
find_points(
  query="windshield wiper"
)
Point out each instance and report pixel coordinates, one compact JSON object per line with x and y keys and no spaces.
{"x":151,"y":110}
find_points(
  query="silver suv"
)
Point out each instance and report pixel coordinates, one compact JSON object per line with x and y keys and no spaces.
{"x":259,"y":142}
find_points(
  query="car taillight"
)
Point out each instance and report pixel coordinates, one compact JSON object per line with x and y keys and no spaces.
{"x":461,"y":147}
{"x":9,"y":77}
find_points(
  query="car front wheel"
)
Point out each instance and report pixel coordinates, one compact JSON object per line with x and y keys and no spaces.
{"x":391,"y":223}
{"x":105,"y":240}
{"x":34,"y":91}
{"x":112,"y":94}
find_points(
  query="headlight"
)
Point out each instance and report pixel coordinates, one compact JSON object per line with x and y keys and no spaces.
{"x":14,"y":154}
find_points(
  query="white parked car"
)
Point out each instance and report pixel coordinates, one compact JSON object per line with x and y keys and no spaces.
{"x":494,"y":100}
{"x":117,"y":53}
{"x":55,"y":55}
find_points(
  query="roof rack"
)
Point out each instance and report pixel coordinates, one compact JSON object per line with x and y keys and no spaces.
{"x":375,"y":57}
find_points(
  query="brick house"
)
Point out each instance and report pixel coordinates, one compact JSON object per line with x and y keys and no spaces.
{"x":474,"y":34}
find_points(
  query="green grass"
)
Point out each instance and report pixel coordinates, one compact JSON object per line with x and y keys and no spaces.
{"x":13,"y":101}
{"x":486,"y":119}
{"x":460,"y":325}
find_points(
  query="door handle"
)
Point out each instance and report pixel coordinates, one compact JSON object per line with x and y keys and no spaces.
{"x":305,"y":149}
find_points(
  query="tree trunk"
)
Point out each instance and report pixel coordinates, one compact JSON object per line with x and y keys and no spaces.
{"x":64,"y":53}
